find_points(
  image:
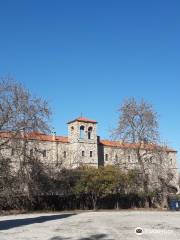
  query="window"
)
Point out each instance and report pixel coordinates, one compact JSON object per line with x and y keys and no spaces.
{"x":116,"y":157}
{"x":44,"y":153}
{"x":12,"y":152}
{"x":129,"y":158}
{"x":90,"y":133}
{"x":81,"y":132}
{"x":8,"y":161}
{"x":106,"y":157}
{"x":64,"y":154}
{"x":151,"y":160}
{"x":90,"y":153}
{"x":171,"y":161}
{"x":31,"y":153}
{"x":82,"y":153}
{"x":72,"y":130}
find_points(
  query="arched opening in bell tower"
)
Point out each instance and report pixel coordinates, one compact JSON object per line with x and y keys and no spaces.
{"x":90,"y":133}
{"x":81,"y":132}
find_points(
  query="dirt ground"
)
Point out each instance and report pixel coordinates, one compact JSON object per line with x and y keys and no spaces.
{"x":103,"y":225}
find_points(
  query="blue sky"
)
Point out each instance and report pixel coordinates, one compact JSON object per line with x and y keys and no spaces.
{"x":88,"y":56}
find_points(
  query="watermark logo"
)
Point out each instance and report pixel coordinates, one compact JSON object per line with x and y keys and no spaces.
{"x":139,"y":231}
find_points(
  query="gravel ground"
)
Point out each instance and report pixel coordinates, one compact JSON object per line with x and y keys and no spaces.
{"x":103,"y":225}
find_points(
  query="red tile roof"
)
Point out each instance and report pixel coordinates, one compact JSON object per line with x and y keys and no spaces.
{"x":36,"y":136}
{"x":82,"y":119}
{"x":62,"y":139}
{"x":120,"y":144}
{"x":44,"y":137}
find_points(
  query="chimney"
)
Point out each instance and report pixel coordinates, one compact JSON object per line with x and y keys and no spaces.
{"x":54,"y":136}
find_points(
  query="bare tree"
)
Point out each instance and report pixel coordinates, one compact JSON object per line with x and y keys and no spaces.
{"x":138,"y":129}
{"x":21,"y":114}
{"x":20,"y":111}
{"x":138,"y":122}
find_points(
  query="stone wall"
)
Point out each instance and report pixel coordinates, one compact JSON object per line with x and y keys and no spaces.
{"x":82,"y":149}
{"x":156,"y":163}
{"x":89,"y":150}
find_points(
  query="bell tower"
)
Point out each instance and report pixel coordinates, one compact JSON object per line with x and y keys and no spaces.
{"x":82,"y":137}
{"x":82,"y":130}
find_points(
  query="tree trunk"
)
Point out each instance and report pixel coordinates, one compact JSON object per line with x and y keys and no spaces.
{"x":117,"y":202}
{"x":94,"y":202}
{"x":164,"y":202}
{"x":146,"y":202}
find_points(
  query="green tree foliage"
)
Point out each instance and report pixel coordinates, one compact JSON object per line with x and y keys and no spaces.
{"x":97,"y":183}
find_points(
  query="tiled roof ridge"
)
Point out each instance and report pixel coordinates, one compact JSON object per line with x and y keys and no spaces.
{"x":64,"y":139}
{"x":83,"y":119}
{"x":120,"y":143}
{"x":36,"y":136}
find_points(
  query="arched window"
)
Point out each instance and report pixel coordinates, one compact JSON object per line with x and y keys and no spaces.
{"x":81,"y":132}
{"x":12,"y":151}
{"x":90,"y":133}
{"x":151,"y":160}
{"x":44,"y":153}
{"x":72,"y":130}
{"x":31,"y":152}
{"x":116,"y":158}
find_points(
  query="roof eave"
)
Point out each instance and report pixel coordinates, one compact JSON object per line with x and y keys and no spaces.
{"x":77,"y":120}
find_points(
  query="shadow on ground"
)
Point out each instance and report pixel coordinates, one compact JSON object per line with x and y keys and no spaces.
{"x":13,"y":223}
{"x":92,"y":237}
